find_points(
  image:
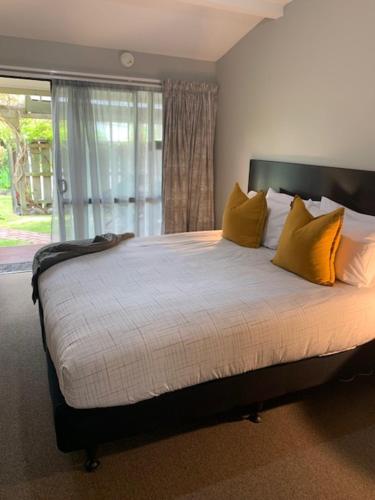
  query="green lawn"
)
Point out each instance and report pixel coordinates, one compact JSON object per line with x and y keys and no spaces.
{"x":13,"y":243}
{"x":34,"y":223}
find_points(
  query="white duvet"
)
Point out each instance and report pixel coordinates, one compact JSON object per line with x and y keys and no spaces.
{"x":161,"y":313}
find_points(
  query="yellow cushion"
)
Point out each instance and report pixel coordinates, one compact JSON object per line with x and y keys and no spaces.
{"x":244,"y":218}
{"x":308,"y":245}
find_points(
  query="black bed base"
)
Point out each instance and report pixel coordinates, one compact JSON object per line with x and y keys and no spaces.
{"x":240,"y":395}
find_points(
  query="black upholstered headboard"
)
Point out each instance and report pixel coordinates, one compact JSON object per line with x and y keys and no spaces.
{"x":352,"y":188}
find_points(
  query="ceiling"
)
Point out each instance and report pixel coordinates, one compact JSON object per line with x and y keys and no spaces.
{"x":197,"y":29}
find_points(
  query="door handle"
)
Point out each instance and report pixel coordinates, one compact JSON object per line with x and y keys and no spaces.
{"x":63,"y":186}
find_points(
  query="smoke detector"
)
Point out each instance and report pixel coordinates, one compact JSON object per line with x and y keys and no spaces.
{"x":127,"y":59}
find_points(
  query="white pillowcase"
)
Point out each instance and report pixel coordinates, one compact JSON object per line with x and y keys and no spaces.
{"x":278,"y":209}
{"x":355,"y":258}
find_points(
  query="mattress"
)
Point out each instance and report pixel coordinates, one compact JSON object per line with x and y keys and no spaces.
{"x":158,"y":314}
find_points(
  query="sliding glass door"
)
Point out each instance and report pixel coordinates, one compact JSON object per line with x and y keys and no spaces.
{"x":26,"y":170}
{"x":108,"y":156}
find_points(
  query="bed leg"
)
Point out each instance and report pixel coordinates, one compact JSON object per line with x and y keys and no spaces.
{"x":91,"y":463}
{"x":255,"y":416}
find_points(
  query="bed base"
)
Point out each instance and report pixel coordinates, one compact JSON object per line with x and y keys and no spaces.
{"x":240,"y":396}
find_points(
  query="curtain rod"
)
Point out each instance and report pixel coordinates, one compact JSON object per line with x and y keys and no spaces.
{"x":49,"y":74}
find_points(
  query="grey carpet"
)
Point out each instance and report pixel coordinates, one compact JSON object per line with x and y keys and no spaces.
{"x":319,"y":448}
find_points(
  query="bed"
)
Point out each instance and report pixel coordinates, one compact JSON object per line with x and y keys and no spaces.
{"x":173,"y":329}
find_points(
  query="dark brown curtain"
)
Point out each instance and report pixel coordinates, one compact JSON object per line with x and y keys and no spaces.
{"x":188,"y":149}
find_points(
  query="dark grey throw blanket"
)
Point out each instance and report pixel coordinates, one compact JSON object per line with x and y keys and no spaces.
{"x":54,"y":253}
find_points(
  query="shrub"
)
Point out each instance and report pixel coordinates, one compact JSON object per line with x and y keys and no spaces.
{"x":4,"y":179}
{"x":4,"y":170}
{"x":36,"y":129}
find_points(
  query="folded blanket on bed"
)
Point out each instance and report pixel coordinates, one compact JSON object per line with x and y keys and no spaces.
{"x":54,"y":253}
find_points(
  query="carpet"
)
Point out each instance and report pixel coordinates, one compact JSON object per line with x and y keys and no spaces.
{"x":322,"y":447}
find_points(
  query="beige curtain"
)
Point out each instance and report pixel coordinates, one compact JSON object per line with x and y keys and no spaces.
{"x":188,"y":146}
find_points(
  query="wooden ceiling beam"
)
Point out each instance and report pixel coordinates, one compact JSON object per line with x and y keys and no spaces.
{"x":272,"y":9}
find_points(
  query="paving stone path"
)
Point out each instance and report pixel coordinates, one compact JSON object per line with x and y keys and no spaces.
{"x":29,"y":236}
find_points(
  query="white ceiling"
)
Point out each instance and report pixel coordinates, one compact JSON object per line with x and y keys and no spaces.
{"x":197,"y":29}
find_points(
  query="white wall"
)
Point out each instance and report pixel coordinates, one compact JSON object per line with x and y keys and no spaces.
{"x":63,"y":56}
{"x":301,"y":88}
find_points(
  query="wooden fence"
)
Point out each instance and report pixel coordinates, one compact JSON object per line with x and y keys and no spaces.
{"x":38,"y":173}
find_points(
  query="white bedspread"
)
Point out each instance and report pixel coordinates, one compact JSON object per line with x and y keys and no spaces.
{"x":158,"y":314}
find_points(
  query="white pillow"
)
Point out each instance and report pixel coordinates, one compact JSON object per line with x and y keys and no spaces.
{"x":328,"y":205}
{"x":278,"y":209}
{"x":355,"y":258}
